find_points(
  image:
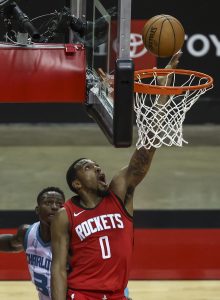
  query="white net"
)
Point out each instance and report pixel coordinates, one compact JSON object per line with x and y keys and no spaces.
{"x":160,"y":118}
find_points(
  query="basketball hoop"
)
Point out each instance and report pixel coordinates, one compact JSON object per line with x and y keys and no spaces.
{"x":161,"y":109}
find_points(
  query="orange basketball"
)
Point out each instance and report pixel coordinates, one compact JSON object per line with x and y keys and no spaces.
{"x":163,"y":35}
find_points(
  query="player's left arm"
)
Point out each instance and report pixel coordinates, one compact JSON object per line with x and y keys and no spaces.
{"x":125,"y":182}
{"x":167,"y":80}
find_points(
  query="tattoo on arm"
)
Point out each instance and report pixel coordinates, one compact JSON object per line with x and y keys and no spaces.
{"x":140,"y":162}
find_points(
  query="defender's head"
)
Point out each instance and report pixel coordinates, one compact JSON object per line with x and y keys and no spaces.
{"x":49,"y":200}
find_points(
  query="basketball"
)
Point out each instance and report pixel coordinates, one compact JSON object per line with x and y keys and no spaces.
{"x":163,"y":35}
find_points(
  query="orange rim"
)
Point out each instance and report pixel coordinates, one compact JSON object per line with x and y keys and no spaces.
{"x":145,"y":88}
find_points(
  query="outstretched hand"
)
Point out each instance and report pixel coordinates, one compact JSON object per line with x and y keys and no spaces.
{"x":174,"y":61}
{"x":172,"y":64}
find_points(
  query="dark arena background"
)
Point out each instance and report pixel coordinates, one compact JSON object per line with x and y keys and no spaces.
{"x":177,"y":207}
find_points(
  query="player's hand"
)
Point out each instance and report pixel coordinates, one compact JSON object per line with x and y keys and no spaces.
{"x":173,"y":63}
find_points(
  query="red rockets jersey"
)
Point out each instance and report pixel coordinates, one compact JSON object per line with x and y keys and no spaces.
{"x":101,"y":244}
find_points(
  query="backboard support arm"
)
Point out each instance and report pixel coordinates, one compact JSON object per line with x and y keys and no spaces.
{"x":116,"y":121}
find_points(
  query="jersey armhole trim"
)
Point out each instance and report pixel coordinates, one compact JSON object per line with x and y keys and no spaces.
{"x":26,"y":237}
{"x":120,"y":203}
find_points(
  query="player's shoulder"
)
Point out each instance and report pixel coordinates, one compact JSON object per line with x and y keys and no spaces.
{"x":61,"y":212}
{"x":60,"y":216}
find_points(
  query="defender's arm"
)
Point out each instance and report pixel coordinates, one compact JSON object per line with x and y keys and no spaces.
{"x":13,"y":242}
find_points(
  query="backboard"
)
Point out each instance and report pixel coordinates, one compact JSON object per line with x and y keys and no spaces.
{"x":110,"y":70}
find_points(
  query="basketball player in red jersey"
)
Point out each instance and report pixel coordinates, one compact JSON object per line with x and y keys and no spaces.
{"x":93,"y":233}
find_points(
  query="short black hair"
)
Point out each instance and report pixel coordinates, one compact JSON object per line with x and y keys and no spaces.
{"x":71,"y":174}
{"x":50,"y":189}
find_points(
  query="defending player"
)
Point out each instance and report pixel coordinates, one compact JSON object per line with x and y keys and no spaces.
{"x":35,"y":240}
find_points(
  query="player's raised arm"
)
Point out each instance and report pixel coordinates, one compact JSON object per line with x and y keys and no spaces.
{"x":60,"y":246}
{"x":13,"y":242}
{"x":125,"y":182}
{"x":166,"y":80}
